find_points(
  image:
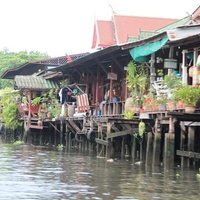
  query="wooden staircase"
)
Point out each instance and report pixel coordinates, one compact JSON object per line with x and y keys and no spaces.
{"x":34,"y":124}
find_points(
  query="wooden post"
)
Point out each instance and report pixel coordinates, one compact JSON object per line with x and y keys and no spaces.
{"x":191,"y":133}
{"x":182,"y":143}
{"x":152,"y":71}
{"x":61,"y":131}
{"x":169,"y":146}
{"x":69,"y":140}
{"x":123,"y":148}
{"x":133,"y":149}
{"x":171,"y":52}
{"x":149,"y":148}
{"x":157,"y":143}
{"x":184,"y":67}
{"x":141,"y":150}
{"x":55,"y":135}
{"x":108,"y":147}
{"x":66,"y":136}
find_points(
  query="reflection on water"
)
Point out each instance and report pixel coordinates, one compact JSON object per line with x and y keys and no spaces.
{"x":29,"y":172}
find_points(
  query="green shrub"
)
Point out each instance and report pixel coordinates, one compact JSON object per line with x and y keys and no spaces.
{"x":188,"y":95}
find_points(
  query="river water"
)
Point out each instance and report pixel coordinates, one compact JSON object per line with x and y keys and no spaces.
{"x":32,"y":172}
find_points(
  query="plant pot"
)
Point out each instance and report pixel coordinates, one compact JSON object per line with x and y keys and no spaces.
{"x":162,"y":107}
{"x":171,"y":106}
{"x":179,"y":105}
{"x":190,"y":109}
{"x":129,"y":105}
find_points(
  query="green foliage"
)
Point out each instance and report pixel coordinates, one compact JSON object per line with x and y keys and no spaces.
{"x":60,"y":147}
{"x":137,"y":80}
{"x":18,"y":142}
{"x":10,"y":113}
{"x":36,"y":101}
{"x":172,"y":82}
{"x":64,"y":82}
{"x":162,"y":99}
{"x":160,"y":72}
{"x":188,"y":95}
{"x":8,"y":102}
{"x":11,"y":60}
{"x":128,"y":114}
{"x":141,"y":129}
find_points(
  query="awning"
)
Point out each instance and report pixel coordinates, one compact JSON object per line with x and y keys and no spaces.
{"x":138,"y":53}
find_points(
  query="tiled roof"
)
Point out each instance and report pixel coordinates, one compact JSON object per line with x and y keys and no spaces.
{"x":34,"y":66}
{"x":120,"y":28}
{"x":103,"y":34}
{"x":174,"y":25}
{"x":132,"y":25}
{"x":34,"y":83}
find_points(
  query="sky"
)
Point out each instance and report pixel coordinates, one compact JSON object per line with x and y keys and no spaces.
{"x":59,"y":27}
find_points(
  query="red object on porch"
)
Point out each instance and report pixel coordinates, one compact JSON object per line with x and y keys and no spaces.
{"x":83,"y":103}
{"x":35,"y":109}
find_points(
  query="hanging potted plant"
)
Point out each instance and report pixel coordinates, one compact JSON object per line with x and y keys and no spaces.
{"x":136,"y":82}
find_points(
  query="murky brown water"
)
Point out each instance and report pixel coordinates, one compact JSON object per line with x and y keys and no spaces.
{"x":28,"y":172}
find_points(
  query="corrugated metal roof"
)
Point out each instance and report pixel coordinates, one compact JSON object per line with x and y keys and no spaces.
{"x":34,"y":83}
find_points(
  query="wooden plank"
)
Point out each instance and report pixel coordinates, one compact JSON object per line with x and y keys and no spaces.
{"x":36,"y":127}
{"x":74,"y":126}
{"x":164,"y":121}
{"x":117,"y":120}
{"x":188,"y":154}
{"x":121,"y":133}
{"x":100,"y":141}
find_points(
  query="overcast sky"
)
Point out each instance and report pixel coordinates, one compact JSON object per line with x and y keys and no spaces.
{"x":57,"y":27}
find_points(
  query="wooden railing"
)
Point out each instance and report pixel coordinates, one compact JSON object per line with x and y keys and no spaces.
{"x":116,"y":108}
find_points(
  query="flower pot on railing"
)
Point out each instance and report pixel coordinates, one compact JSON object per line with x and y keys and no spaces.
{"x":129,"y":105}
{"x":162,"y":107}
{"x":171,"y":106}
{"x":190,"y":109}
{"x":180,"y":105}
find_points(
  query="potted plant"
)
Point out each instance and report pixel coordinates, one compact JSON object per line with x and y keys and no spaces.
{"x":137,"y":83}
{"x":149,"y":103}
{"x":161,"y":102}
{"x":171,"y":82}
{"x":189,"y":96}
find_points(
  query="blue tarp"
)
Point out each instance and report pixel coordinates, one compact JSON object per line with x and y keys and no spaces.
{"x":139,"y":53}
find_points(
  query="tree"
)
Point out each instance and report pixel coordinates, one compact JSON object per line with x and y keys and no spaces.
{"x":11,"y":60}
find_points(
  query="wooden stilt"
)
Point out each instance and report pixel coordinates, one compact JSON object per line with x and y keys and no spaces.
{"x":149,"y":148}
{"x":108,"y":147}
{"x":141,"y":150}
{"x":157,"y":143}
{"x":70,"y":140}
{"x":169,"y":146}
{"x":61,"y":131}
{"x":133,"y":149}
{"x":123,"y":148}
{"x":55,"y":135}
{"x":191,"y":132}
{"x":41,"y":134}
{"x":182,"y":143}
